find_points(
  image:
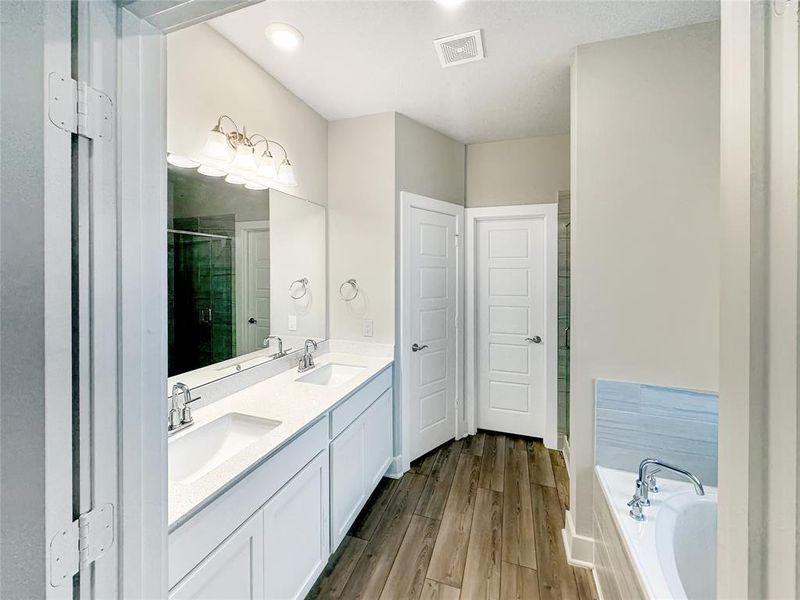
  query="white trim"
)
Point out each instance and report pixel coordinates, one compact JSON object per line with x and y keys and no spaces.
{"x":549,"y":212}
{"x":241,"y":260}
{"x":407,"y":201}
{"x":579,"y":549}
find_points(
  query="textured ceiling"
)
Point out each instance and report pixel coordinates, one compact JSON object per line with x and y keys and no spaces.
{"x":367,"y":57}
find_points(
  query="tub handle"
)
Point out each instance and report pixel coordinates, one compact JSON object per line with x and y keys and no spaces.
{"x":652,"y":483}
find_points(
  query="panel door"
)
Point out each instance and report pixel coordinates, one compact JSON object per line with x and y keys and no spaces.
{"x":258,"y":290}
{"x":348,"y":478}
{"x":510,"y":294}
{"x":296,"y":532}
{"x":233,"y":571}
{"x":433,"y":312}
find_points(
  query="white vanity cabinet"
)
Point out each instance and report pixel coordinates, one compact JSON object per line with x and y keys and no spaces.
{"x":269,"y":535}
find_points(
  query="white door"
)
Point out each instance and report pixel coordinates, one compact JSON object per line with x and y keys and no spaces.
{"x":233,"y":571}
{"x":433,"y":310}
{"x":511,"y":320}
{"x":257,"y":297}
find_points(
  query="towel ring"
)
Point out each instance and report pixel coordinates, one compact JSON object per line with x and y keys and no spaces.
{"x":298,"y":292}
{"x":348,"y":298}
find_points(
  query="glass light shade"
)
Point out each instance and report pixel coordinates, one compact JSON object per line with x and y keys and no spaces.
{"x":235,"y":180}
{"x":266,"y":166}
{"x":217,"y":147}
{"x":210,"y":171}
{"x":184,"y":162}
{"x":286,"y":174}
{"x":251,"y":185}
{"x":244,"y":160}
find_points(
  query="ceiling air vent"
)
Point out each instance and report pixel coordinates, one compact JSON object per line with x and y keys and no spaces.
{"x":460,"y":49}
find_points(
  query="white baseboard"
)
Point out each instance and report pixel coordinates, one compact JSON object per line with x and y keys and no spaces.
{"x":578,"y":548}
{"x":395,"y":470}
{"x":597,"y":586}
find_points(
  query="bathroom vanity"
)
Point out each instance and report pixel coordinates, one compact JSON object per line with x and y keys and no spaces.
{"x":266,"y":483}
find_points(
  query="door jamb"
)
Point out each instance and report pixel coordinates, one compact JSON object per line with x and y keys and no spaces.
{"x":403,"y":353}
{"x":241,"y":284}
{"x":549,"y":212}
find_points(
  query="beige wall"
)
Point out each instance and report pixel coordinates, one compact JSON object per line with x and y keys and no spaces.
{"x":361,"y":221}
{"x":525,"y":171}
{"x":428,"y":162}
{"x":645,"y":224}
{"x":207,"y":76}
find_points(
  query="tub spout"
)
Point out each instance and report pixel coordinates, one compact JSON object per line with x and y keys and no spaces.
{"x":643,"y":486}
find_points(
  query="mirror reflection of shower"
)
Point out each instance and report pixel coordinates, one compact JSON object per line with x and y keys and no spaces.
{"x":563,"y":312}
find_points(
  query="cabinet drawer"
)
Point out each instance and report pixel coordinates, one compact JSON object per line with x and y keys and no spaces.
{"x":194,"y":540}
{"x":357,"y":403}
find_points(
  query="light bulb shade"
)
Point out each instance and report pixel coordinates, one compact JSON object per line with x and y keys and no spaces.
{"x":286,"y":174}
{"x":235,"y":180}
{"x":210,"y":171}
{"x":217,"y":147}
{"x":252,"y":185}
{"x":184,"y":162}
{"x":266,"y":166}
{"x":244,"y":160}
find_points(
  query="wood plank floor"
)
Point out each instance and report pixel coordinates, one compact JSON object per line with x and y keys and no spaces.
{"x":478,"y":518}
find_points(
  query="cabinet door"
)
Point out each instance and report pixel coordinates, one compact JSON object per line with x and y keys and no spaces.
{"x":296,"y":532}
{"x":348,"y":478}
{"x":234,"y":570}
{"x":378,"y":432}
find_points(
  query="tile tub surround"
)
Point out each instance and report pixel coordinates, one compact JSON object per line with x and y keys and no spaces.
{"x":637,"y":421}
{"x":296,"y":405}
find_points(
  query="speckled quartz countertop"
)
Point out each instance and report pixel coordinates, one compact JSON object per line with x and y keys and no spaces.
{"x":295,"y":404}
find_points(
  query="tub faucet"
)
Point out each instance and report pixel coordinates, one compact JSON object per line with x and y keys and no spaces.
{"x":646,"y":484}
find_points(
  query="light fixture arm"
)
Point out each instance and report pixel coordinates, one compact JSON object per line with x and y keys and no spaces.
{"x":285,"y":155}
{"x":219,"y":124}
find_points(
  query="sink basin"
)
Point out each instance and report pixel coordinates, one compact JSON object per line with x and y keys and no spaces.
{"x":198,"y":451}
{"x":331,"y":374}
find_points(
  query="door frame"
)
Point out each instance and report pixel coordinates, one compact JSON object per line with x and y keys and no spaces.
{"x":408,"y":201}
{"x":241,"y":285}
{"x":548,"y":212}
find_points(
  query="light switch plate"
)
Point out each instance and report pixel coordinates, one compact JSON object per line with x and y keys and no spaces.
{"x":368,"y":327}
{"x":292,"y":322}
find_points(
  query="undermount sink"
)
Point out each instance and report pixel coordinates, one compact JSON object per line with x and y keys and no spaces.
{"x":331,"y":374}
{"x":200,"y":450}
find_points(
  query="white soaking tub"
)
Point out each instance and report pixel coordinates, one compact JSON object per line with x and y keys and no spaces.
{"x":673,"y":551}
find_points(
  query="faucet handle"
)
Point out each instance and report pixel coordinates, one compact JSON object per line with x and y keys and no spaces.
{"x":636,"y":513}
{"x":650,"y":481}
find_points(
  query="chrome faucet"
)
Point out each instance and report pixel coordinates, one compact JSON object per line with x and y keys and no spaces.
{"x":280,"y":353}
{"x":307,"y":360}
{"x":646,"y":484}
{"x":180,"y":415}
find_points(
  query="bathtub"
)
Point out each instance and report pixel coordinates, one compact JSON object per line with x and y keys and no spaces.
{"x":672,"y":554}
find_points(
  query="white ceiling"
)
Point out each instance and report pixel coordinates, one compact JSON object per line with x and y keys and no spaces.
{"x":367,"y":57}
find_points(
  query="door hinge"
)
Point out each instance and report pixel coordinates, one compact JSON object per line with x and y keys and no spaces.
{"x":75,"y":548}
{"x":77,"y":107}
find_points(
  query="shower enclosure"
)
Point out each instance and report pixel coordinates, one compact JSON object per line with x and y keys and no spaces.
{"x":563,"y":312}
{"x":201,"y":303}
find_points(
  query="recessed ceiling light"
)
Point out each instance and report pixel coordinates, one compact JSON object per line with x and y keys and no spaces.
{"x":283,"y":36}
{"x":450,"y":3}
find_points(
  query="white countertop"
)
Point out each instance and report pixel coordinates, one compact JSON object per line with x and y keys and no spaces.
{"x":296,"y":405}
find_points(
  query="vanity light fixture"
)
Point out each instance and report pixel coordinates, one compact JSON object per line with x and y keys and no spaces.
{"x":450,"y":3}
{"x":183,"y":162}
{"x":231,"y":152}
{"x":283,"y":36}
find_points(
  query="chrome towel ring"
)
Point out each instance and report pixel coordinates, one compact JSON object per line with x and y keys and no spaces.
{"x":298,"y":288}
{"x":348,"y":290}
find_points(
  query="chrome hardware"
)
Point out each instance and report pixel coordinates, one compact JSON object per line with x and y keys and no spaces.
{"x":646,"y":479}
{"x":306,"y":361}
{"x":281,"y":352}
{"x":252,"y":321}
{"x":652,"y":484}
{"x":534,"y":340}
{"x":353,"y":292}
{"x":298,"y":292}
{"x":417,"y":347}
{"x":180,"y":415}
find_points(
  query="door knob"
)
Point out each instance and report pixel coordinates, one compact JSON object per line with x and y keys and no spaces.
{"x":251,"y":320}
{"x":417,"y":347}
{"x":535,"y":339}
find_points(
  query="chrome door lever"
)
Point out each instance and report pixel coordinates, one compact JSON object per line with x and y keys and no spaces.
{"x":417,"y":347}
{"x":535,"y":339}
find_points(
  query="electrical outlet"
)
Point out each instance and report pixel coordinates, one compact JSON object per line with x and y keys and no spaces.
{"x":368,"y":327}
{"x":292,"y":322}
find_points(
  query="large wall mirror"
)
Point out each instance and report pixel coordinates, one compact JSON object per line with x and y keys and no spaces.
{"x":245,"y":267}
